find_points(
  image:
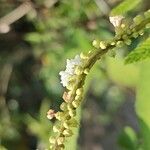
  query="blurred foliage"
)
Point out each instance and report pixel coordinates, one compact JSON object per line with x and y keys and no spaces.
{"x":142,"y":104}
{"x":140,"y":53}
{"x":35,"y":50}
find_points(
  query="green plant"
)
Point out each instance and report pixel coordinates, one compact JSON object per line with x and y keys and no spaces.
{"x":73,"y":78}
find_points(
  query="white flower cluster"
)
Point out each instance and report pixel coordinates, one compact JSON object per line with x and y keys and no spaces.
{"x":70,"y":68}
{"x":116,"y":20}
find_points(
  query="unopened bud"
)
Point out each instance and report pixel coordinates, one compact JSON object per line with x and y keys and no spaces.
{"x":95,"y":43}
{"x":50,"y":114}
{"x":83,"y":56}
{"x":78,"y":70}
{"x":86,"y":71}
{"x":60,"y":140}
{"x":79,"y":91}
{"x":72,"y":113}
{"x":103,"y":45}
{"x":67,"y":133}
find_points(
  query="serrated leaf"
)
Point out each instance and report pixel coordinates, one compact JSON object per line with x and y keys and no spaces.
{"x":124,"y":7}
{"x":143,"y":104}
{"x":140,"y":53}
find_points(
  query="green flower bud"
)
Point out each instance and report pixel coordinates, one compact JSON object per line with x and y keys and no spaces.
{"x":52,"y":147}
{"x":112,"y":43}
{"x":127,"y":41}
{"x":84,"y":56}
{"x":138,"y":19}
{"x":59,"y":115}
{"x":69,"y":106}
{"x":70,"y":86}
{"x":86,"y":71}
{"x":75,"y":103}
{"x":66,"y":124}
{"x":141,"y":32}
{"x":73,"y":122}
{"x":120,"y":43}
{"x":67,"y":133}
{"x":79,"y":91}
{"x":123,"y":25}
{"x":63,"y":106}
{"x":78,"y":70}
{"x":52,"y":140}
{"x":135,"y":34}
{"x":95,"y":43}
{"x":103,"y":45}
{"x":72,"y":113}
{"x":56,"y":128}
{"x":60,"y":140}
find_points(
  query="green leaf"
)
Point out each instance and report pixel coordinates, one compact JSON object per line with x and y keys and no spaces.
{"x":124,"y":7}
{"x":118,"y":72}
{"x":140,"y":53}
{"x":128,"y":139}
{"x":143,"y":104}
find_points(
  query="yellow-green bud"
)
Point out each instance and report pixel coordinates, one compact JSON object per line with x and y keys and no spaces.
{"x":73,"y":122}
{"x":76,"y":103}
{"x":72,"y":113}
{"x":103,"y":45}
{"x":63,"y":106}
{"x":127,"y":41}
{"x":60,"y":140}
{"x":56,"y":128}
{"x":67,"y":133}
{"x":77,"y":97}
{"x":79,"y":91}
{"x":112,"y":43}
{"x":86,"y":71}
{"x":84,"y":56}
{"x":123,"y":25}
{"x":66,"y":124}
{"x":120,"y":43}
{"x":59,"y":115}
{"x":69,"y":106}
{"x":135,"y":34}
{"x":141,"y":32}
{"x":95,"y":43}
{"x":52,"y":140}
{"x":78,"y":70}
{"x":70,"y":86}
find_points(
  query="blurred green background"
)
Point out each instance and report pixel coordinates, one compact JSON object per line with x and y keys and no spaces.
{"x":33,"y":49}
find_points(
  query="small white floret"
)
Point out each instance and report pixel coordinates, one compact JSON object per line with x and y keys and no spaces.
{"x":70,"y":69}
{"x":116,"y":20}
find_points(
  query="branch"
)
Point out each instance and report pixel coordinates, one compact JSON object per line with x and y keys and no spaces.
{"x":13,"y":16}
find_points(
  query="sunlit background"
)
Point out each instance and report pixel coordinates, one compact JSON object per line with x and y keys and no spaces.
{"x":36,"y":38}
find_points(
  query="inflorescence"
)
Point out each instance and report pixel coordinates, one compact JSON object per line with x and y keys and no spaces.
{"x":76,"y":70}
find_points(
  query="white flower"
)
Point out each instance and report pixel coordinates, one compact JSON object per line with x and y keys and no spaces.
{"x":116,"y":20}
{"x":65,"y":75}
